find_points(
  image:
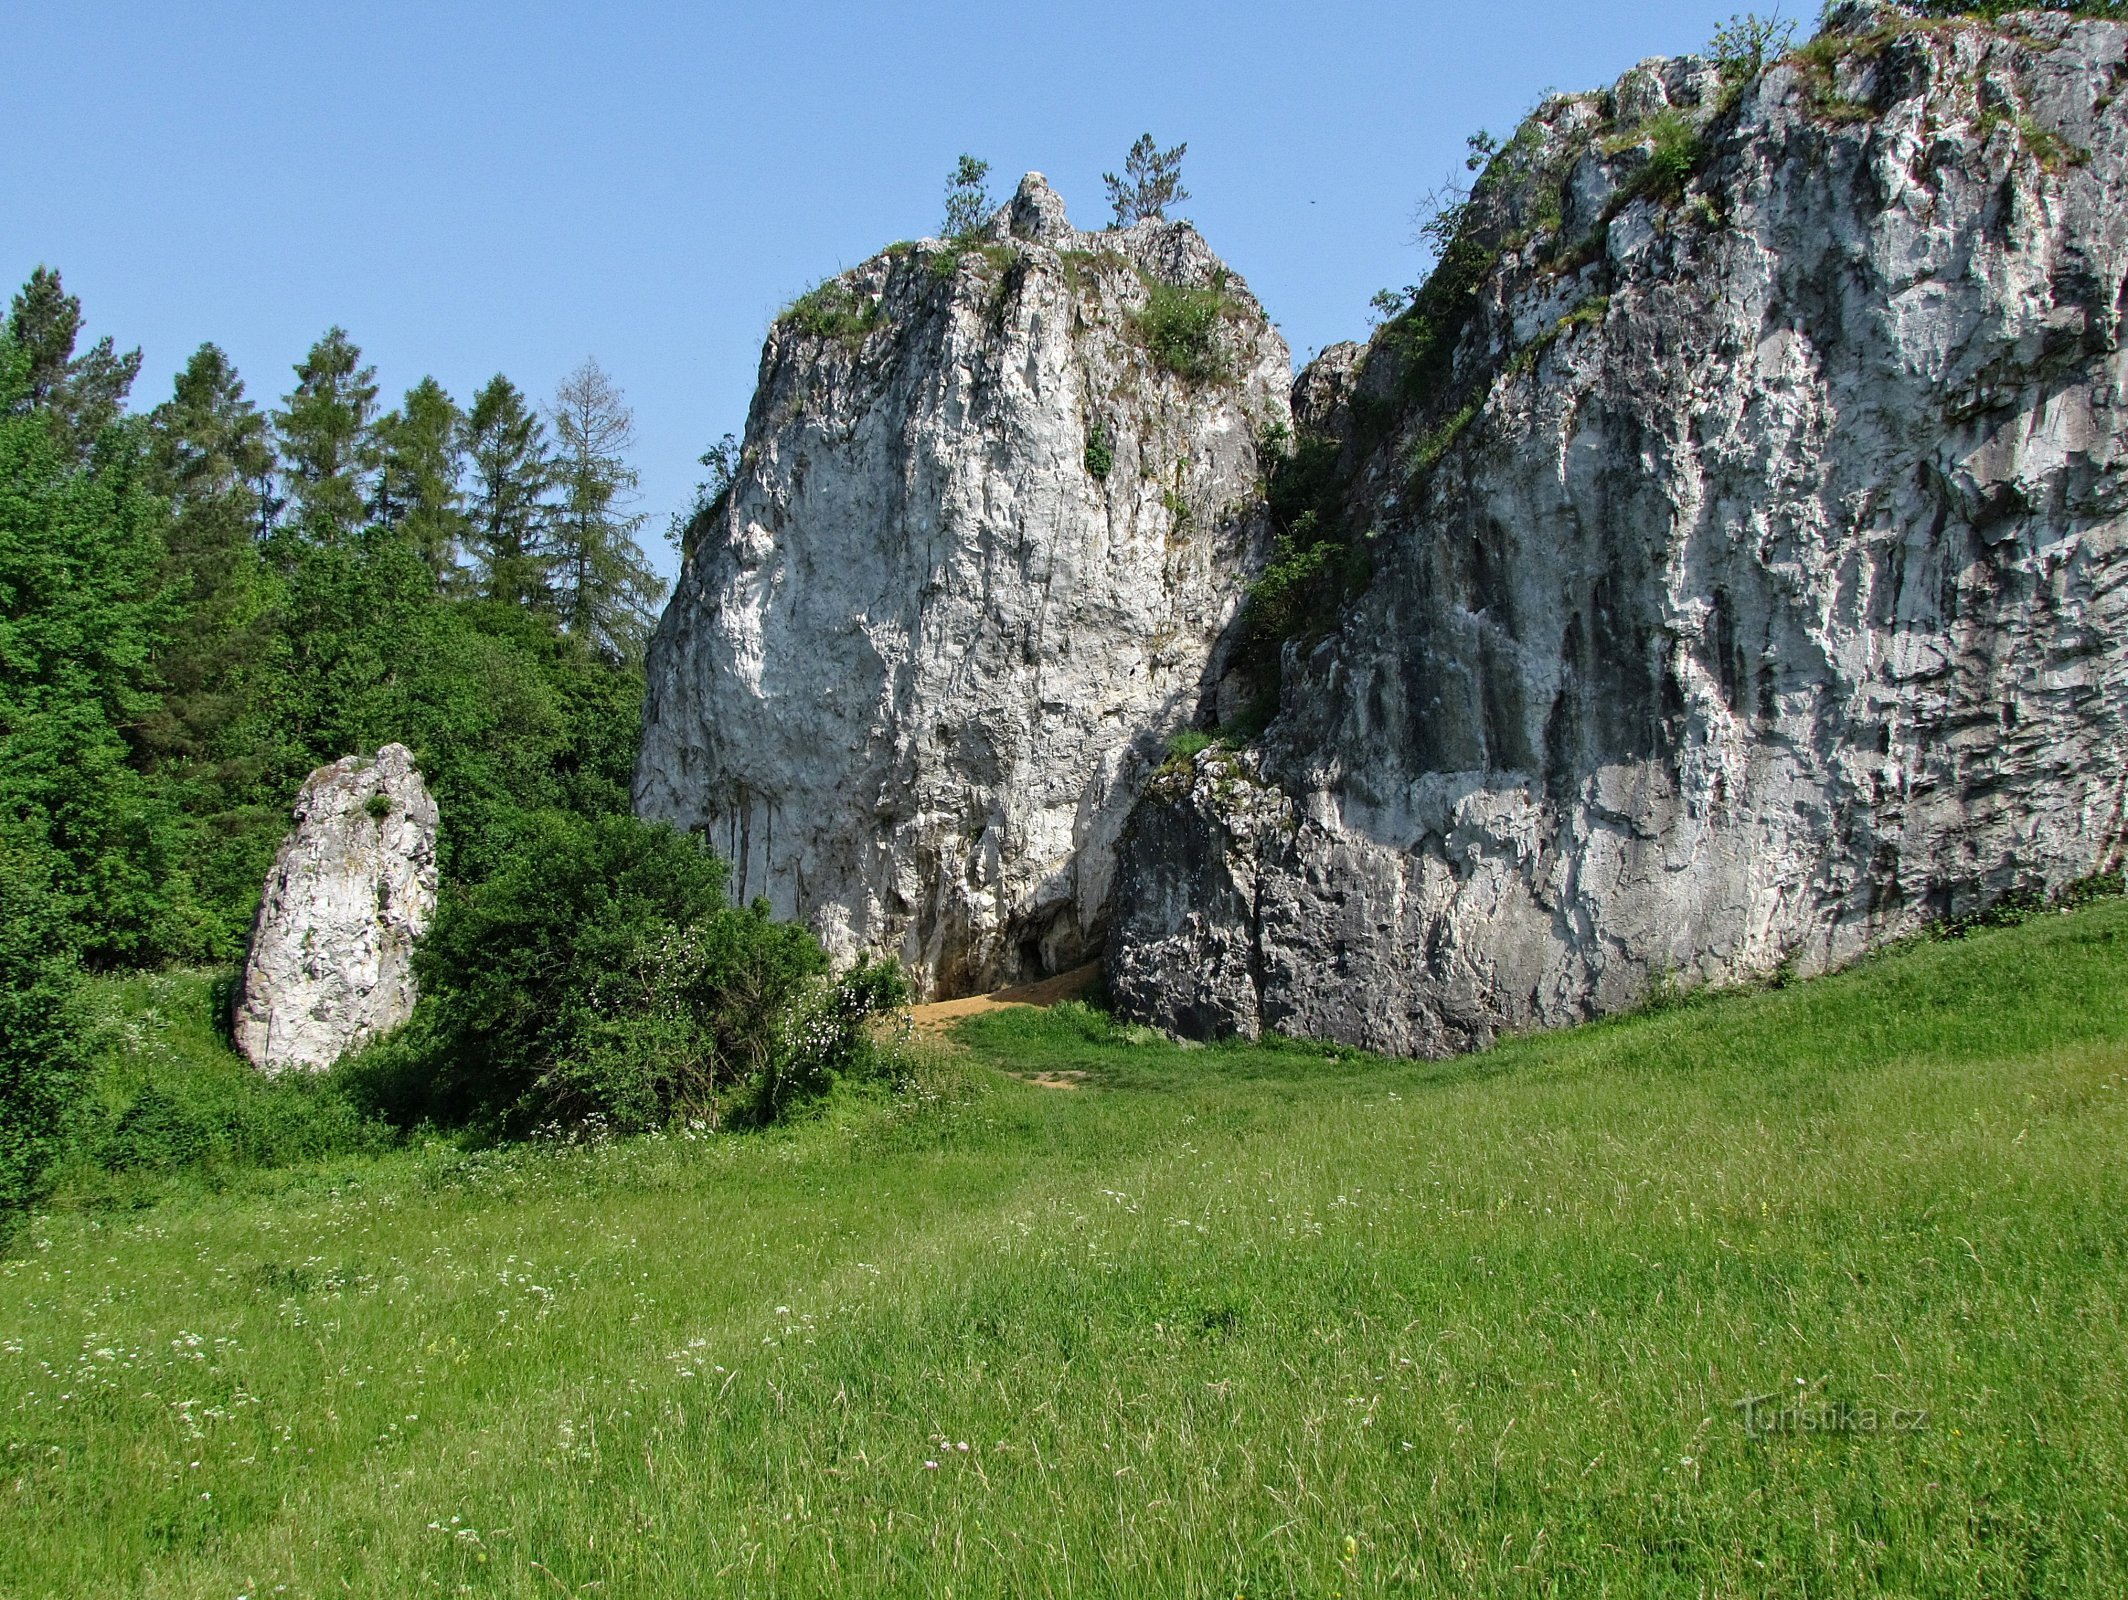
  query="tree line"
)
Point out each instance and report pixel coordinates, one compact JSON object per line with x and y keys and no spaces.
{"x":207,"y":599}
{"x":203,"y":601}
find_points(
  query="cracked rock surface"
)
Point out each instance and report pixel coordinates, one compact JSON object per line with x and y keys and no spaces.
{"x":1749,"y":574}
{"x":353,"y":887}
{"x":974,"y":571}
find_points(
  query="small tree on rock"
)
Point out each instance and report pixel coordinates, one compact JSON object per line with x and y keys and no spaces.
{"x":1151,"y":182}
{"x":967,"y":199}
{"x":1742,"y":45}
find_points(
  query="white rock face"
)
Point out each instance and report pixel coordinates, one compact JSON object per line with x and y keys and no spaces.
{"x":973,"y":573}
{"x":1750,"y":583}
{"x":352,"y":889}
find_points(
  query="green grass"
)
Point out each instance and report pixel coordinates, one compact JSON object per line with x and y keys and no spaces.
{"x":172,"y":1106}
{"x":1179,"y":328}
{"x":1264,"y":1321}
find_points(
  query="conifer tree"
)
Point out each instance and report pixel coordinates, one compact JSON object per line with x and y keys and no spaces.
{"x":1151,"y":182}
{"x":512,"y":471}
{"x":420,"y":454}
{"x":81,"y":395}
{"x":211,"y":458}
{"x":325,"y":444}
{"x":606,"y":591}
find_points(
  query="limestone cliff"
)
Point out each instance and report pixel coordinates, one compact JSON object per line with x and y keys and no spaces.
{"x":998,"y":504}
{"x":1726,"y":560}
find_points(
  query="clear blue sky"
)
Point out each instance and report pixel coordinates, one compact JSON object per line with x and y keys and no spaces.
{"x":480,"y":188}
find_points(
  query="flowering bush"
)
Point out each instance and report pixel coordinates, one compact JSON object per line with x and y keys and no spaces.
{"x":602,"y":975}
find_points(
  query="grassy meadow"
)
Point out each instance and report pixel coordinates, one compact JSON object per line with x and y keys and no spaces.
{"x":1216,"y":1322}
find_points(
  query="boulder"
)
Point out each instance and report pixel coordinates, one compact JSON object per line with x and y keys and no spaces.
{"x":353,"y":888}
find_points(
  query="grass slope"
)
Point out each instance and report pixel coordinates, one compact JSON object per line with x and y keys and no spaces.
{"x":1226,"y":1321}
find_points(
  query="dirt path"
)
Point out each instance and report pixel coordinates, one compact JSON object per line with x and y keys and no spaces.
{"x":939,"y":1015}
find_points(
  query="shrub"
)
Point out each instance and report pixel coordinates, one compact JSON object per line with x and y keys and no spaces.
{"x":42,"y":1063}
{"x":1100,"y":455}
{"x":601,"y":973}
{"x":1186,"y":746}
{"x":833,"y":311}
{"x":826,"y":1038}
{"x":169,"y":1094}
{"x":1675,"y":152}
{"x":1180,"y":328}
{"x":1151,"y":182}
{"x":1741,"y":45}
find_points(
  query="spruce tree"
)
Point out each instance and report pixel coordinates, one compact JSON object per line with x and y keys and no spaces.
{"x":512,"y":472}
{"x":420,"y":454}
{"x":605,"y":589}
{"x":211,"y":458}
{"x":80,"y":395}
{"x":325,"y":438}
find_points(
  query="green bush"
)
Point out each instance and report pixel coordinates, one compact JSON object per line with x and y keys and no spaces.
{"x":1100,"y":454}
{"x":600,"y":976}
{"x":1180,"y":329}
{"x":832,"y":311}
{"x":42,"y":1064}
{"x":1674,"y":155}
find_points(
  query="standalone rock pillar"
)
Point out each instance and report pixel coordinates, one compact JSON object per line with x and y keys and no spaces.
{"x":353,"y":888}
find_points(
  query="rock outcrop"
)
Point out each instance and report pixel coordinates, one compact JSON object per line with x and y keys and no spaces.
{"x":1742,"y":506}
{"x":997,"y":506}
{"x":354,"y":886}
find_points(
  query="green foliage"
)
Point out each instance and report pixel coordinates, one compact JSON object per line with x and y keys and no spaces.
{"x":513,"y":472}
{"x":1284,"y":600}
{"x":1314,"y":565}
{"x":176,"y":655}
{"x":1675,"y":151}
{"x":78,"y":396}
{"x":1100,"y":456}
{"x":169,"y":1097}
{"x":42,"y":1064}
{"x":605,"y":590}
{"x":420,"y":456}
{"x":1426,"y":453}
{"x":1742,"y":45}
{"x":1187,"y":745}
{"x":598,"y":976}
{"x":1179,"y":328}
{"x":2053,"y":153}
{"x":723,"y":458}
{"x":834,"y":311}
{"x":968,"y":203}
{"x":1151,"y":182}
{"x":1994,"y":10}
{"x":324,"y":441}
{"x":83,"y":611}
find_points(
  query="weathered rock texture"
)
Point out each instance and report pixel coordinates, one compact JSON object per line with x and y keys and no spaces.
{"x":972,"y":574}
{"x":331,"y":962}
{"x":1748,"y":581}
